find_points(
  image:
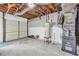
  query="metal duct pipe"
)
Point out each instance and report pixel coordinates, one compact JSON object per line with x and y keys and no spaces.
{"x":29,"y":8}
{"x":23,"y":11}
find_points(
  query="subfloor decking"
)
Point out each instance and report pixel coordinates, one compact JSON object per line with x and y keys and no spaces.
{"x":31,"y":47}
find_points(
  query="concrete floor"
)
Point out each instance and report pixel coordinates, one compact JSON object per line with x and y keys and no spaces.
{"x":31,"y":47}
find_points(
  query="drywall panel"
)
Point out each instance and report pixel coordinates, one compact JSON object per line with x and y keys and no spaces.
{"x":37,"y":31}
{"x":1,"y":28}
{"x":37,"y":22}
{"x":23,"y":29}
{"x":36,"y":27}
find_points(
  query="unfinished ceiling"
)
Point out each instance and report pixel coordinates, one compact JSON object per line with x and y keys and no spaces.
{"x":18,"y":9}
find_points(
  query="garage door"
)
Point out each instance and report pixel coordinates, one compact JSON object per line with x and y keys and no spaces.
{"x":23,"y":29}
{"x":11,"y":30}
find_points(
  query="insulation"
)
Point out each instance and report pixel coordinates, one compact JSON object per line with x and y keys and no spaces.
{"x":70,"y":15}
{"x":68,"y":7}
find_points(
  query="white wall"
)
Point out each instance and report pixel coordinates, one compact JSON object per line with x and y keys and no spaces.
{"x":36,"y":27}
{"x":37,"y":31}
{"x":1,"y":27}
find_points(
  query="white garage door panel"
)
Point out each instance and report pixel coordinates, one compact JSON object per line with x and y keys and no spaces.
{"x":12,"y":22}
{"x":23,"y":26}
{"x":23,"y":29}
{"x":1,"y":29}
{"x":11,"y":36}
{"x":11,"y":30}
{"x":11,"y":26}
{"x":23,"y":34}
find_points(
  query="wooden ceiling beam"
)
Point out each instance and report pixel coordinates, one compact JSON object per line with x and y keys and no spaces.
{"x":31,"y":14}
{"x":26,"y":16}
{"x":38,"y":11}
{"x":49,"y":9}
{"x":42,"y":9}
{"x":13,"y":8}
{"x":34,"y":13}
{"x":2,"y":9}
{"x":54,"y":7}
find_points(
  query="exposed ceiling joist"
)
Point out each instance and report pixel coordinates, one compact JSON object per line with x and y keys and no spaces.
{"x":38,"y":11}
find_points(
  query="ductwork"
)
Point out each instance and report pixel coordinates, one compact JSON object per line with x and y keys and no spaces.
{"x":29,"y":8}
{"x":26,"y":9}
{"x":23,"y":11}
